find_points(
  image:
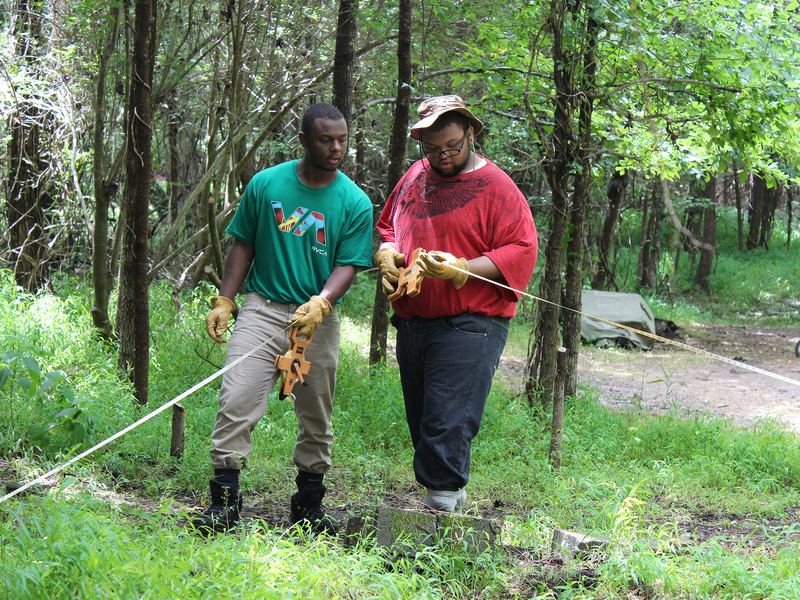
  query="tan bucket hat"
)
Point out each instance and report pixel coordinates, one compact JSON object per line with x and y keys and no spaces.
{"x":431,"y":109}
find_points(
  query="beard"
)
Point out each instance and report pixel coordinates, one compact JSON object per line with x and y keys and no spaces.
{"x":454,"y":170}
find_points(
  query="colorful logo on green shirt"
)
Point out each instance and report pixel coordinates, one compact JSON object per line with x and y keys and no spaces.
{"x":300,"y":221}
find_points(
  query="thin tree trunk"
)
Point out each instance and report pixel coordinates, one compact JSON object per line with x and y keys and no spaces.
{"x":557,"y":426}
{"x":27,"y":191}
{"x":212,"y":123}
{"x":178,"y":426}
{"x":580,"y":200}
{"x":737,"y":192}
{"x":239,"y":25}
{"x":757,"y":199}
{"x":344,"y":58}
{"x":547,"y":329}
{"x":771,"y":198}
{"x":174,"y":120}
{"x":102,"y":276}
{"x":694,"y":218}
{"x":703,"y":273}
{"x":644,"y":236}
{"x":361,"y":151}
{"x":133,"y":319}
{"x":397,"y":154}
{"x":603,"y":276}
{"x":789,"y":198}
{"x":649,"y":251}
{"x":216,"y":244}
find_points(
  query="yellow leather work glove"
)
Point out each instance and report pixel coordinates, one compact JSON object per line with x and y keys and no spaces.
{"x":309,"y":316}
{"x":439,"y":265}
{"x":389,"y":262}
{"x":217,"y":320}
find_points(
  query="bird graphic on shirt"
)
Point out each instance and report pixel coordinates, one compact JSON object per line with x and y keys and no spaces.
{"x":427,"y":198}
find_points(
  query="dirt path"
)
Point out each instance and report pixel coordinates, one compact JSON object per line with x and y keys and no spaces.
{"x":669,"y":378}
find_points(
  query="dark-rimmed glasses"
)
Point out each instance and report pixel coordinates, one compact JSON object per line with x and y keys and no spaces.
{"x":435,"y":153}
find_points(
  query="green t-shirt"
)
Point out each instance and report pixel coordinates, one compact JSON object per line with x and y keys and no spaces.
{"x":300,"y":233}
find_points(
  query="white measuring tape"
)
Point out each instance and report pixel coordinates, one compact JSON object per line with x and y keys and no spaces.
{"x":718,"y":357}
{"x":228,"y":367}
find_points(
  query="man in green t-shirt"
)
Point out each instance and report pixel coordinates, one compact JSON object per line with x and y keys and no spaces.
{"x":301,"y":232}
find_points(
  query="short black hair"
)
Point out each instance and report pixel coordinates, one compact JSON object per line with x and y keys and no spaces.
{"x":449,"y":118}
{"x":320,"y":110}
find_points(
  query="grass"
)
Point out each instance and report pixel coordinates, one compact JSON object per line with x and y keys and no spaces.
{"x":744,"y":285}
{"x":110,"y":527}
{"x":81,"y":548}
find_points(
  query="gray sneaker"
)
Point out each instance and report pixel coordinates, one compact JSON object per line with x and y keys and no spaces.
{"x":446,"y":500}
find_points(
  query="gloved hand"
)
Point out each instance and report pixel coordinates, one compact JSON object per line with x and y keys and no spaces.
{"x":309,"y":316}
{"x":439,"y":265}
{"x":217,"y":320}
{"x":389,"y":262}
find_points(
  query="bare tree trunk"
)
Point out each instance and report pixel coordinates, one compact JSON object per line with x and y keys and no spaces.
{"x":397,"y":154}
{"x":789,"y":198}
{"x":361,"y":151}
{"x":174,"y":120}
{"x":706,"y":262}
{"x":178,"y":426}
{"x":27,"y":191}
{"x":737,"y":191}
{"x":757,"y":200}
{"x":239,"y":27}
{"x":344,"y":58}
{"x":644,"y":236}
{"x":650,"y":242}
{"x":133,"y":319}
{"x":547,"y":332}
{"x":216,"y":243}
{"x":574,"y":280}
{"x":694,"y":223}
{"x":557,"y":427}
{"x":771,"y":198}
{"x":580,"y":200}
{"x":212,"y":127}
{"x":104,"y":189}
{"x":603,"y":276}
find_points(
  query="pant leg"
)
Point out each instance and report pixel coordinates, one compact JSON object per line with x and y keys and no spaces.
{"x":411,"y":363}
{"x":313,"y":403}
{"x":243,"y":396}
{"x":461,"y":355}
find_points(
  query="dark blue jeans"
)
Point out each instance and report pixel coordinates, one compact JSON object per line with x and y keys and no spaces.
{"x":446,"y":369}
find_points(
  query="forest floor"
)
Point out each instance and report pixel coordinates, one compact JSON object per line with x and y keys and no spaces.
{"x":669,"y":378}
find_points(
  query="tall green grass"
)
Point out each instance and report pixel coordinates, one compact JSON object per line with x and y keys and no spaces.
{"x":630,"y":476}
{"x":83,"y":548}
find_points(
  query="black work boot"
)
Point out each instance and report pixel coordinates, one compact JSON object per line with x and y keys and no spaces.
{"x":226,"y":504}
{"x":306,"y":505}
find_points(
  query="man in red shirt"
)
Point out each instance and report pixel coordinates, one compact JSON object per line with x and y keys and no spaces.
{"x":470,"y":218}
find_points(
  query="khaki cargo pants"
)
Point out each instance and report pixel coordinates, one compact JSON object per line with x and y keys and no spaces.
{"x":243,"y":397}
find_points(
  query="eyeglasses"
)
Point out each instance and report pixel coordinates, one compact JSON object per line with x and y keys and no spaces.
{"x":437,"y":152}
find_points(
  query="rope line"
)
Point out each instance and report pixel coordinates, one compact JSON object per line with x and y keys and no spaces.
{"x":654,"y":336}
{"x":144,"y":419}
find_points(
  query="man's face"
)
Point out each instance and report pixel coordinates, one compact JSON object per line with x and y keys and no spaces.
{"x":325,"y":144}
{"x":447,"y":149}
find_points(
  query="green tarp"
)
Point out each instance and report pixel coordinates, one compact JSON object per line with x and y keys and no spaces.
{"x":626,"y":309}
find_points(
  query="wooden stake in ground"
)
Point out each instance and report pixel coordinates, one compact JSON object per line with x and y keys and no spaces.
{"x":556,"y":431}
{"x":178,"y":423}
